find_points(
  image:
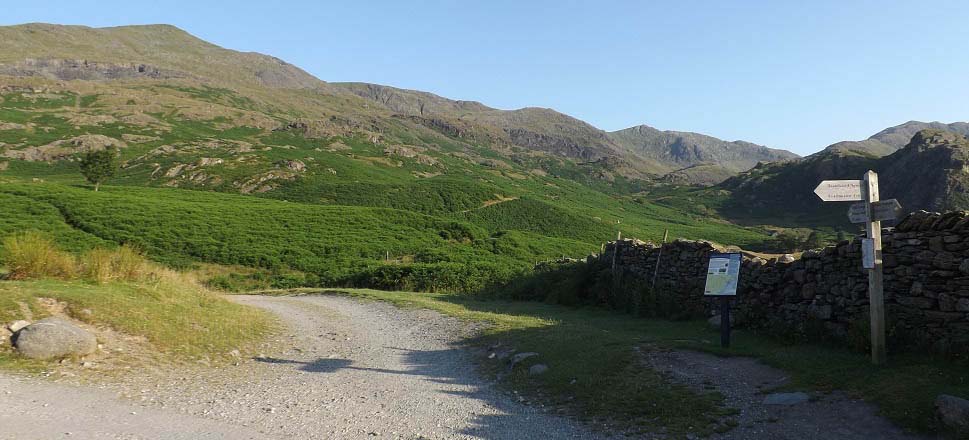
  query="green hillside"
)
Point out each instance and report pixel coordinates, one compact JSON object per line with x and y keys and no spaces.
{"x":319,"y":184}
{"x":330,"y":245}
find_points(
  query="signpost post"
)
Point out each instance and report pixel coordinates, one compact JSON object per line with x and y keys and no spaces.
{"x":723,"y":276}
{"x":876,"y":295}
{"x":871,"y":211}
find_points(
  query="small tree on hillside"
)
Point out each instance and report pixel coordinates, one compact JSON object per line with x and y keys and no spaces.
{"x":101,"y":165}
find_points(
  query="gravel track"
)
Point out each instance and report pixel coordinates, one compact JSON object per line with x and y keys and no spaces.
{"x":344,"y":369}
{"x":744,"y":383}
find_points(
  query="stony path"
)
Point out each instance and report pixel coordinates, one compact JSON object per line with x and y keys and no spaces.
{"x":32,"y":409}
{"x":745,"y":384}
{"x":348,"y":370}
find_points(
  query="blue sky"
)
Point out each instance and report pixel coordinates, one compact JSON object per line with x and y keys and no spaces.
{"x":788,"y":74}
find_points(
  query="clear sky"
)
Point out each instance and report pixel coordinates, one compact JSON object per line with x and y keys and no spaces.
{"x":790,"y":74}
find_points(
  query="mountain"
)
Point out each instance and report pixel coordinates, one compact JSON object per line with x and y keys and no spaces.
{"x":168,"y":54}
{"x":190,"y":115}
{"x":536,"y":129}
{"x":929,"y":173}
{"x":891,"y":139}
{"x":641,"y":148}
{"x":151,"y":51}
{"x":682,"y":151}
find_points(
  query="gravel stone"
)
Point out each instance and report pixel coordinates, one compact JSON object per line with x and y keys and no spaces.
{"x":786,"y":398}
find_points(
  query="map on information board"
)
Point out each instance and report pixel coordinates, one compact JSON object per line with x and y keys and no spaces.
{"x":723,"y":273}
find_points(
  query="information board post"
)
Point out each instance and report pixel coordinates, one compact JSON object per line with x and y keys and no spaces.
{"x":725,"y":321}
{"x":723,"y":277}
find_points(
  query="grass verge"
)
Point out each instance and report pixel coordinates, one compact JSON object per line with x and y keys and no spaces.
{"x":121,"y":289}
{"x":175,"y":318}
{"x":591,"y":355}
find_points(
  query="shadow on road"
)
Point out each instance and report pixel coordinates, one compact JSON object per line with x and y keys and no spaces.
{"x":448,"y":367}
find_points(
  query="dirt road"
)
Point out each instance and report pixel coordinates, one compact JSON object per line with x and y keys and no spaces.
{"x":347,"y":370}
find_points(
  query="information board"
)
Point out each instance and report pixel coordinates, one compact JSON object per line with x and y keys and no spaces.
{"x":723,"y":273}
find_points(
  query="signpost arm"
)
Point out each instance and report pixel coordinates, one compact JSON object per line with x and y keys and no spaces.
{"x":876,"y":300}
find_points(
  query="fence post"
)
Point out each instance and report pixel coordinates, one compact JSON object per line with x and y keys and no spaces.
{"x":659,"y":255}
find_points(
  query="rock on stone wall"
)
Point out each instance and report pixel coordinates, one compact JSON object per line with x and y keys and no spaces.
{"x":926,"y":260}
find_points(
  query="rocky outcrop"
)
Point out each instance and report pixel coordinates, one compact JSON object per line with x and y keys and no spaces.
{"x":68,"y":69}
{"x":264,"y":182}
{"x":293,"y":165}
{"x":560,"y":146}
{"x":410,"y":152}
{"x":929,"y":173}
{"x":52,"y":338}
{"x":64,"y":149}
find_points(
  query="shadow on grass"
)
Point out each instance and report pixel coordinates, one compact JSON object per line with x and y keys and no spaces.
{"x":594,"y":372}
{"x":593,"y":369}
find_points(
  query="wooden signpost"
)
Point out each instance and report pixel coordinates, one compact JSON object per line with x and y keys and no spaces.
{"x":872,"y":212}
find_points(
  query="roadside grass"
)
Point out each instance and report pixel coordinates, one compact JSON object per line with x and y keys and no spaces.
{"x":175,"y":318}
{"x":121,"y":289}
{"x":597,"y":349}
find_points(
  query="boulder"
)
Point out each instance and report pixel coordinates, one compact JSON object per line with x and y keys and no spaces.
{"x":54,"y":338}
{"x":954,"y":413}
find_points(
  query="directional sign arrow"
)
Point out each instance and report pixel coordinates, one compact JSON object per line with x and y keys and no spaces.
{"x":885,"y":210}
{"x":839,"y":190}
{"x":858,"y":213}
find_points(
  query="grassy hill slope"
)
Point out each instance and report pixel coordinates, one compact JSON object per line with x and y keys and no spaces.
{"x":344,"y":184}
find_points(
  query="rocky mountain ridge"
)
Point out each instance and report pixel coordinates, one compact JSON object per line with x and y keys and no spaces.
{"x":686,"y":149}
{"x":892,"y":139}
{"x":931,"y":172}
{"x":163,"y":53}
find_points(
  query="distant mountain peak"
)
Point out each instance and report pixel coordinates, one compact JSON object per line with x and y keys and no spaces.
{"x":695,"y":151}
{"x":892,"y":139}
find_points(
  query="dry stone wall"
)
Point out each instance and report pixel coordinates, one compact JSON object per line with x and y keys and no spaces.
{"x":825,"y":291}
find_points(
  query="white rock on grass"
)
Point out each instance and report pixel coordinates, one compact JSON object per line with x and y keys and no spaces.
{"x":516,"y":359}
{"x":52,"y":338}
{"x":16,"y":326}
